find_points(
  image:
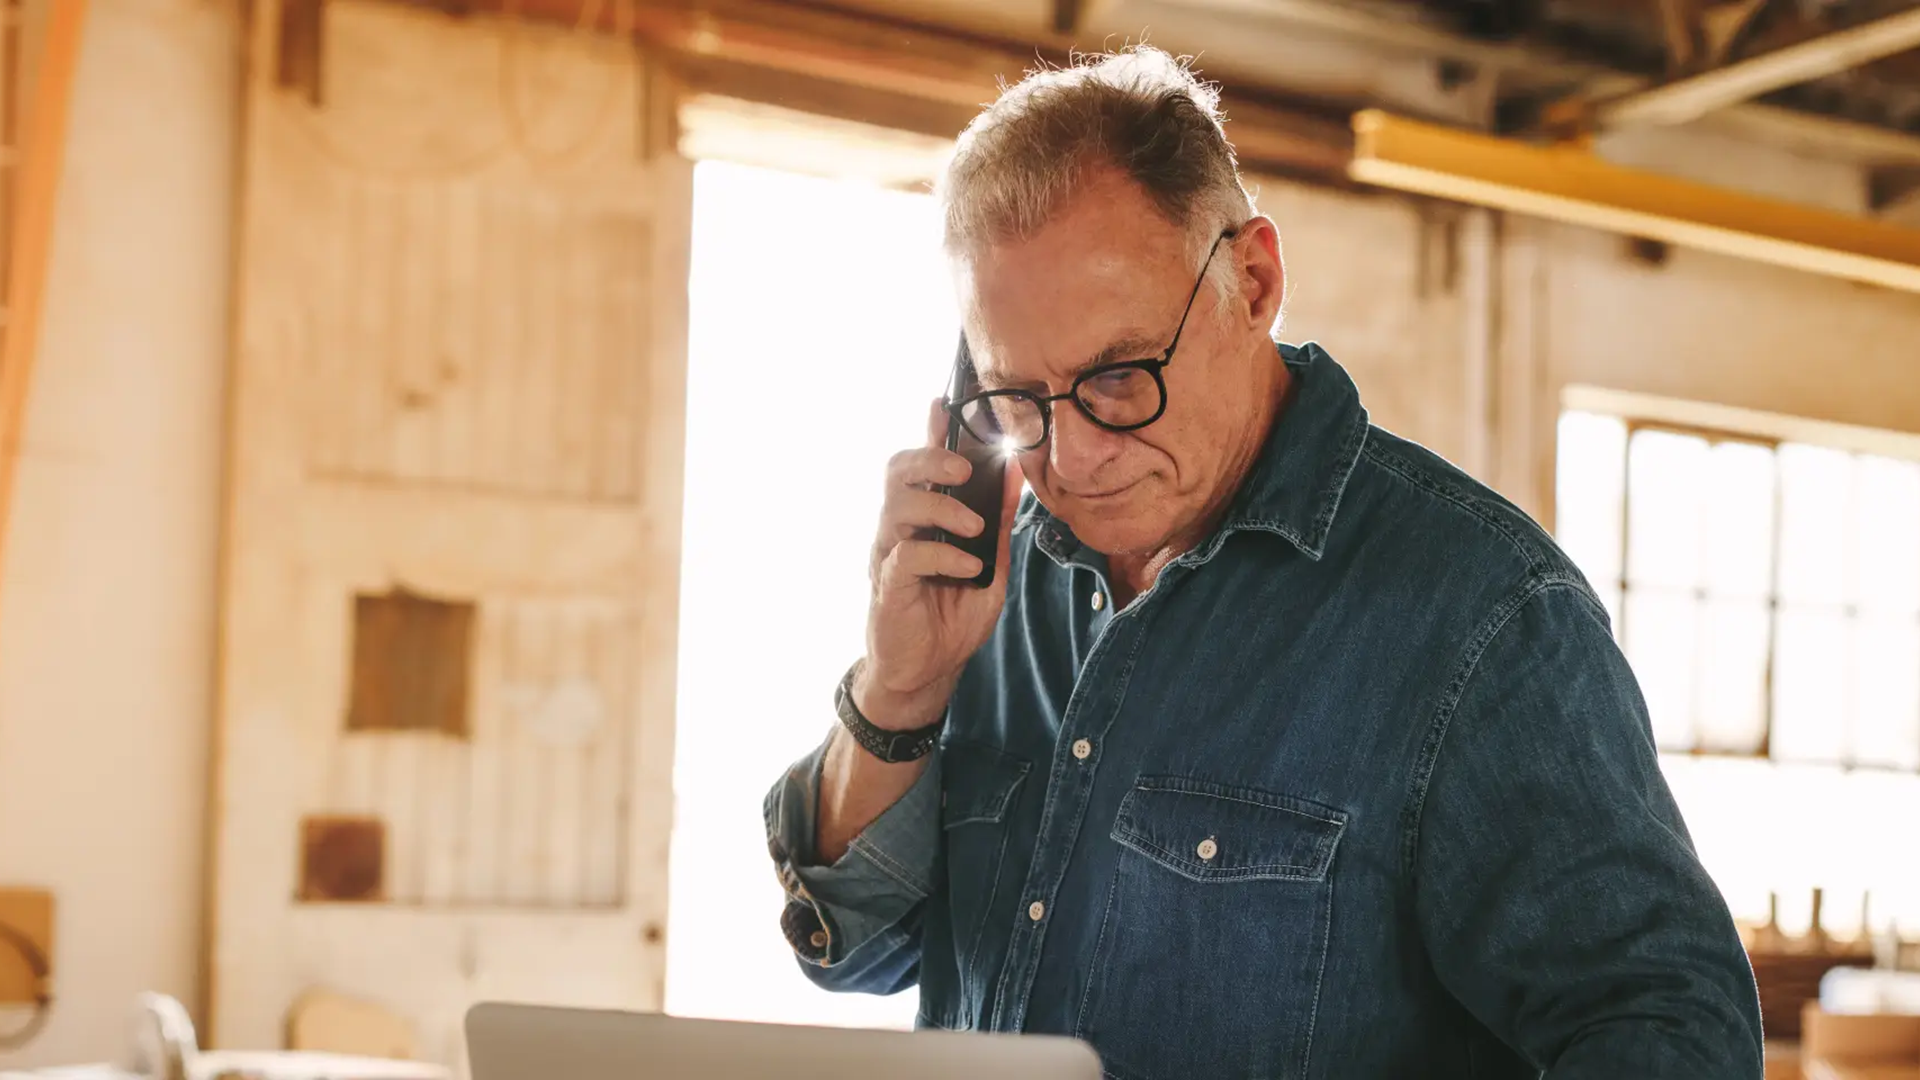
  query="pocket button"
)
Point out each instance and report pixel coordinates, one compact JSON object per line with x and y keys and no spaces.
{"x":1207,"y":850}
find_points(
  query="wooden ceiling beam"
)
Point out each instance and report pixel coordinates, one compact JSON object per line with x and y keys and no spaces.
{"x":879,"y":67}
{"x":1694,"y":96}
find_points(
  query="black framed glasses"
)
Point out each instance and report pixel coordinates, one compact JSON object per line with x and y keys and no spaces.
{"x":1126,"y":395}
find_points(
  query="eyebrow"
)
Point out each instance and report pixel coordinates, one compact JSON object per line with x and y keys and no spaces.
{"x":1133,"y":346}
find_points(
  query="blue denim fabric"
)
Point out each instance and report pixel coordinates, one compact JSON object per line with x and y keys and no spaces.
{"x":1367,"y":790}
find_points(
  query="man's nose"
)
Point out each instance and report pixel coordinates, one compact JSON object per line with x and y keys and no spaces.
{"x":1079,"y":446}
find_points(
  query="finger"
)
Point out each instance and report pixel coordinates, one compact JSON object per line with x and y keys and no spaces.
{"x":927,"y":466}
{"x":937,"y":418}
{"x":913,"y":561}
{"x":910,"y":509}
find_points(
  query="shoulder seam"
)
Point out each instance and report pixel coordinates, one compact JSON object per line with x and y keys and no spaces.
{"x":1392,"y":463}
{"x":1468,"y":665}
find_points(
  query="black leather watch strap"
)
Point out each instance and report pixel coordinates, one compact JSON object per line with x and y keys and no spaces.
{"x":892,"y":747}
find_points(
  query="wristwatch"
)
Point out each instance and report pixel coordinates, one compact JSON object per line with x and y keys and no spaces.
{"x":892,"y":747}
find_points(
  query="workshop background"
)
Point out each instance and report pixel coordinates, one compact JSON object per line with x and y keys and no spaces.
{"x":419,"y":548}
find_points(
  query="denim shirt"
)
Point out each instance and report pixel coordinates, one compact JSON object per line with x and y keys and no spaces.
{"x":1361,"y":787}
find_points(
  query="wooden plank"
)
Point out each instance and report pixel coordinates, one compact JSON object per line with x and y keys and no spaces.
{"x":565,"y":750}
{"x":763,"y":50}
{"x":576,"y":355}
{"x":501,"y":350}
{"x":1682,"y":100}
{"x":458,"y":333}
{"x":414,"y":404}
{"x":622,"y":294}
{"x":370,"y":388}
{"x":522,"y":780}
{"x":440,"y":810}
{"x":30,"y":233}
{"x":485,"y":813}
{"x":649,"y":815}
{"x":603,"y":789}
{"x":398,"y":795}
{"x":538,"y":293}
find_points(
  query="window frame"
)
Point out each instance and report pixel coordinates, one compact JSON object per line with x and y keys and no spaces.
{"x":1854,"y":443}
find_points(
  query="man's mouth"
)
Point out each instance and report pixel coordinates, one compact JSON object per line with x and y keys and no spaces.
{"x":1095,"y":496}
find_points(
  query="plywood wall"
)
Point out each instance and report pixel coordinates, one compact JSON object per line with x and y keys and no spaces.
{"x":458,"y":376}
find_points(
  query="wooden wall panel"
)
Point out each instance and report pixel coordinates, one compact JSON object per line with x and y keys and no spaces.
{"x":475,"y":343}
{"x":458,"y":372}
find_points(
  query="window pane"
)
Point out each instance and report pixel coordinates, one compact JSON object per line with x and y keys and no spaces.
{"x":1809,"y":689}
{"x":1886,"y":691}
{"x":1590,"y":489}
{"x":1666,"y":475}
{"x":1738,"y":496}
{"x":1886,"y":535}
{"x":1733,"y":676}
{"x":1814,"y":490}
{"x":1662,"y":635}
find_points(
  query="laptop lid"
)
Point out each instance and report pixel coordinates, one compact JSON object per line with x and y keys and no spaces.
{"x":527,"y":1042}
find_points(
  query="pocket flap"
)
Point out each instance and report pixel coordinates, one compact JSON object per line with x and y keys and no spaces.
{"x":977,"y":782}
{"x":1212,"y":832}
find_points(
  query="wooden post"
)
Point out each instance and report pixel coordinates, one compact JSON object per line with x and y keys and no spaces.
{"x":30,"y":231}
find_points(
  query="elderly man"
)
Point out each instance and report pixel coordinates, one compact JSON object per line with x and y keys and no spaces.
{"x":1278,"y":747}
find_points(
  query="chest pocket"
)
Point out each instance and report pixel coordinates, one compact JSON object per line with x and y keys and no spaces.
{"x":979,"y":785}
{"x":1215,"y":933}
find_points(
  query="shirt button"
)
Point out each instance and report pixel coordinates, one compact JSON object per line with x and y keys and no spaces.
{"x":1082,"y":749}
{"x":1036,"y":911}
{"x":1207,"y":849}
{"x":1099,"y":600}
{"x":819,"y":939}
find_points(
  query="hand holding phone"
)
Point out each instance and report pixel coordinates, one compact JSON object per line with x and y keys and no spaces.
{"x":984,"y":489}
{"x":938,"y":581}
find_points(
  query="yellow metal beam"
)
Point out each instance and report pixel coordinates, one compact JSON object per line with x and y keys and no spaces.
{"x":1568,"y":183}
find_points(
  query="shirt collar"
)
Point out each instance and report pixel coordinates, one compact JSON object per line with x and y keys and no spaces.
{"x":1296,"y":484}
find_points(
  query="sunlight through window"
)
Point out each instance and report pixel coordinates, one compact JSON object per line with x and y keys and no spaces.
{"x":1771,"y":612}
{"x":822,"y":327}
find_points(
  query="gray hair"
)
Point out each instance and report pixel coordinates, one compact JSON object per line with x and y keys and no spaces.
{"x":1140,"y":111}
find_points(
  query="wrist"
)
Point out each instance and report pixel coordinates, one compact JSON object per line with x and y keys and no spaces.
{"x":893,"y":710}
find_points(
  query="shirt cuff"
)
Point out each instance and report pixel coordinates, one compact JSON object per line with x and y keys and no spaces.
{"x":832,"y":911}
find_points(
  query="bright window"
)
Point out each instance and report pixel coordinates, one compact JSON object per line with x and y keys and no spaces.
{"x":1767,"y":594}
{"x":822,"y":327}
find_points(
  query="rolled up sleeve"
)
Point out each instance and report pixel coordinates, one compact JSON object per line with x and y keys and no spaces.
{"x":854,"y":924}
{"x":1557,"y":890}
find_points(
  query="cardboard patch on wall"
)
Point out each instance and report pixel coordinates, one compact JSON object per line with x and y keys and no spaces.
{"x":410,"y":664}
{"x":342,"y":859}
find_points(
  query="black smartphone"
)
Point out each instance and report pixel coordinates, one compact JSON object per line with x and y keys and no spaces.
{"x":985,"y":488}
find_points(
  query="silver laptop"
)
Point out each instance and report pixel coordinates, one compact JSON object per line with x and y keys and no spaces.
{"x":526,"y":1042}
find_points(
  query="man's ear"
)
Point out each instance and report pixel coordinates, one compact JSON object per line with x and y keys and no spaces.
{"x":1263,"y":275}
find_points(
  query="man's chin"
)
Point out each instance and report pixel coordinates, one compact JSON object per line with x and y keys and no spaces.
{"x":1115,"y":529}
